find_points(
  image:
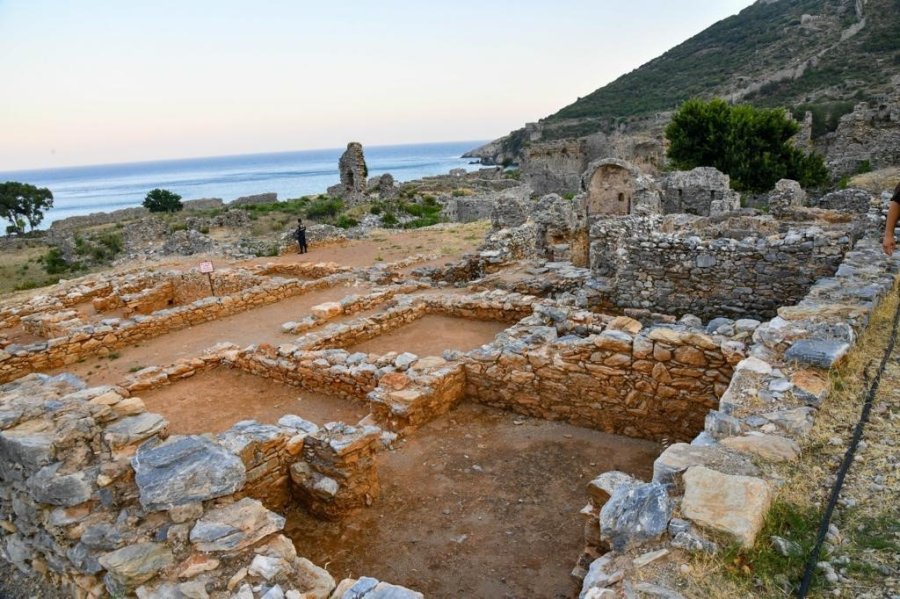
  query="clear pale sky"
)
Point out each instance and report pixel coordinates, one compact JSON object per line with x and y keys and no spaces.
{"x":101,"y":81}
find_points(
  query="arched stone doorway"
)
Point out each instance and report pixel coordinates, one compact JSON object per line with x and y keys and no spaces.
{"x":610,"y":188}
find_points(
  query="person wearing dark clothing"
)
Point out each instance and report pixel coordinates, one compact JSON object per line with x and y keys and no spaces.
{"x":892,"y":217}
{"x":300,"y":236}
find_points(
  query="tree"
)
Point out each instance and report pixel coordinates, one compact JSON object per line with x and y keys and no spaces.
{"x":752,"y":145}
{"x":162,"y":200}
{"x":23,"y":202}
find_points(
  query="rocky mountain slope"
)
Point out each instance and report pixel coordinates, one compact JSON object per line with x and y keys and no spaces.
{"x":818,"y":56}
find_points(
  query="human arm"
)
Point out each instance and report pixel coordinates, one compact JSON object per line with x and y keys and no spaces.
{"x":893,"y":214}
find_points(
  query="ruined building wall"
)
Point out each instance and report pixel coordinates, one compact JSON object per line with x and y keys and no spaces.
{"x":610,"y":191}
{"x":709,"y":278}
{"x":658,"y":384}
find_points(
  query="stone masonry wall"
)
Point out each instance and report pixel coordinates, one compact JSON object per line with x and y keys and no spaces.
{"x":99,"y":501}
{"x":720,"y":487}
{"x":109,"y":335}
{"x":708,"y":278}
{"x":654,"y":384}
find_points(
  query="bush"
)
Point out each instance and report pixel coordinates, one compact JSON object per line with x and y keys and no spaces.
{"x":864,"y":167}
{"x":54,"y":263}
{"x":346,"y":222}
{"x":389,"y":219}
{"x":752,"y":145}
{"x":376,"y":209}
{"x":162,"y":200}
{"x":324,"y":207}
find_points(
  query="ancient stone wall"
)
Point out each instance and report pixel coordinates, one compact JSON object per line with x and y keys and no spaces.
{"x":107,"y":336}
{"x":654,"y":384}
{"x":858,"y":201}
{"x":99,"y":218}
{"x":260,"y":198}
{"x":712,"y":277}
{"x":703,"y":191}
{"x":97,"y":500}
{"x":721,"y":486}
{"x":871,"y":133}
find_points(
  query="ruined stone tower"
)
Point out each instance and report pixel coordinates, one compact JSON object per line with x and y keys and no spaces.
{"x":353,"y":172}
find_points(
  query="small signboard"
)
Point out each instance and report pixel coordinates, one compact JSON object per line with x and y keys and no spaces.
{"x":206,"y":267}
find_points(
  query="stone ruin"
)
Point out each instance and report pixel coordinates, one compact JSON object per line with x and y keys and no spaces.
{"x":616,"y":188}
{"x":353,"y":172}
{"x":710,"y":329}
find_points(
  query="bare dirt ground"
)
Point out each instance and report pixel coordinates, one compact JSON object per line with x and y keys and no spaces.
{"x":450,"y":241}
{"x":479,"y":503}
{"x":432,"y":334}
{"x":213,"y":401}
{"x":262,"y":325}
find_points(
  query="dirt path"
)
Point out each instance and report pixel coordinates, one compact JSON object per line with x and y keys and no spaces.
{"x":432,"y":334}
{"x":262,"y":325}
{"x":211,"y":402}
{"x":480,"y":503}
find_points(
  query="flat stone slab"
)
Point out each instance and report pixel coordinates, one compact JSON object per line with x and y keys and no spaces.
{"x":134,"y":564}
{"x":370,"y":588}
{"x":769,"y":447}
{"x":234,"y":527}
{"x":820,"y":353}
{"x":733,"y":505}
{"x":185,"y":469}
{"x":676,"y":459}
{"x":602,"y":488}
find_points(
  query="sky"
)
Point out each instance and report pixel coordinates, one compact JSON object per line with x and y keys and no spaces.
{"x":108,"y":81}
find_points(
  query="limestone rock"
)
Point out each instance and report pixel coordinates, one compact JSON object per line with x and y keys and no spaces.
{"x":768,"y":447}
{"x":235,"y":526}
{"x":185,"y":469}
{"x":634,"y":515}
{"x":602,"y":488}
{"x":134,"y":429}
{"x":52,"y":488}
{"x":136,"y":564}
{"x":370,"y":588}
{"x":821,"y":353}
{"x":733,"y":505}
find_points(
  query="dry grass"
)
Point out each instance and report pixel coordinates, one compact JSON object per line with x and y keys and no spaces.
{"x":22,"y":268}
{"x":877,"y":181}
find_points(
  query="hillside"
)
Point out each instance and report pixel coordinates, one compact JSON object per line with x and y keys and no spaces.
{"x":818,"y":55}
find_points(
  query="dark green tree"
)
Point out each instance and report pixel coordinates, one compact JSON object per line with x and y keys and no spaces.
{"x":751,"y":145}
{"x":162,"y":200}
{"x":23,"y":202}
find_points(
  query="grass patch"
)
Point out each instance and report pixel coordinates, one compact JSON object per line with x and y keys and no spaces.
{"x":763,"y":569}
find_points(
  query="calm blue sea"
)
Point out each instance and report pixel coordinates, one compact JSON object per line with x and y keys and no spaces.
{"x":86,"y":189}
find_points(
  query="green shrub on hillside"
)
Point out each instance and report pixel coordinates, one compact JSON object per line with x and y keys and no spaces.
{"x":324,"y":207}
{"x":162,"y":200}
{"x":750,"y":144}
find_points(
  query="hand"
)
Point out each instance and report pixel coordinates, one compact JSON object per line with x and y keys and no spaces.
{"x":888,"y":244}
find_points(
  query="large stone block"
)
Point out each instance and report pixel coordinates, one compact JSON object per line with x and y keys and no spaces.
{"x":135,"y":564}
{"x":50,"y":487}
{"x":185,"y":470}
{"x":635,"y":515}
{"x":733,"y":505}
{"x":233,"y":527}
{"x":821,"y":353}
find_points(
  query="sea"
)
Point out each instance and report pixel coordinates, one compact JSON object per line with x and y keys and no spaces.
{"x":103,"y":188}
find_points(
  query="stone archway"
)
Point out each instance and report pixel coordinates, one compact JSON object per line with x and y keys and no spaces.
{"x":610,"y":188}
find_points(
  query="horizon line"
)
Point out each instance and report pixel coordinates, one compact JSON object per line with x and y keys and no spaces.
{"x":186,"y":158}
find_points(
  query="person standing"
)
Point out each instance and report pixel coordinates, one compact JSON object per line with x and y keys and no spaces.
{"x":300,"y":236}
{"x":893,"y":214}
